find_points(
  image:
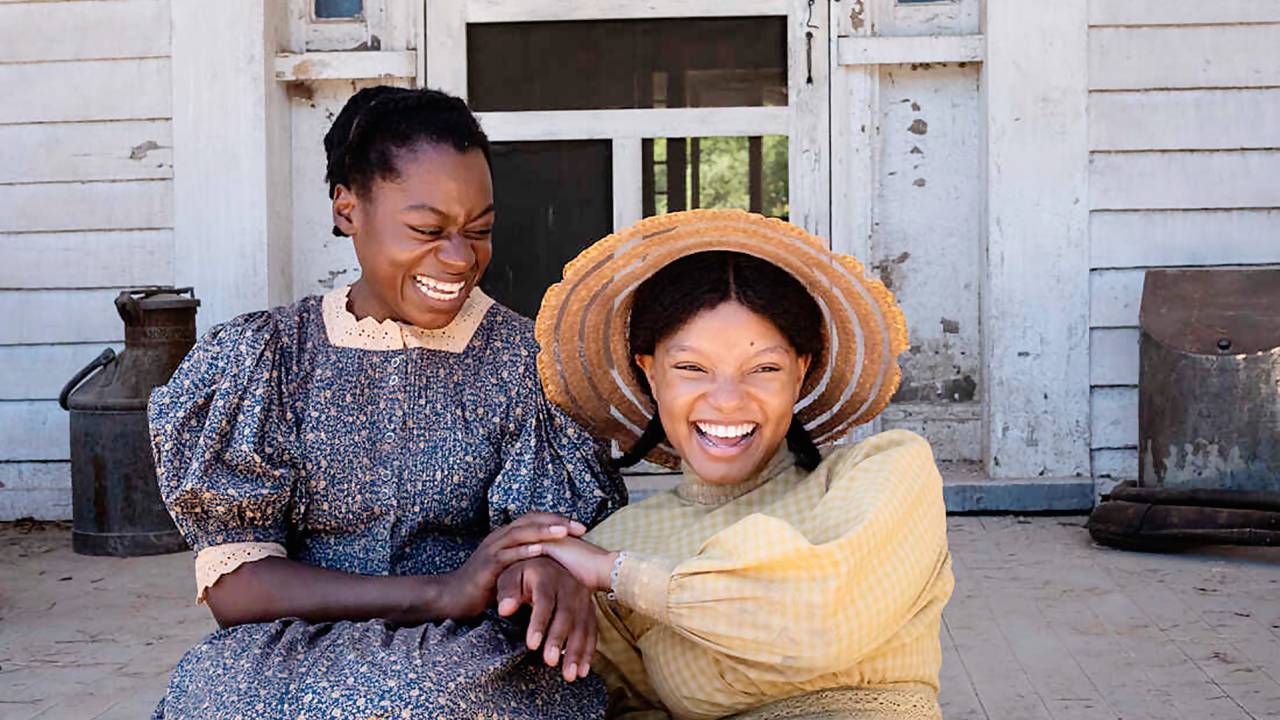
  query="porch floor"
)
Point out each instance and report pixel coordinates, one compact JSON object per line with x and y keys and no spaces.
{"x":1044,"y":624}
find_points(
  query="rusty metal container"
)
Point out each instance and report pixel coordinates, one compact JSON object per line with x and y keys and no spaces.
{"x":116,"y":505}
{"x":1209,"y":384}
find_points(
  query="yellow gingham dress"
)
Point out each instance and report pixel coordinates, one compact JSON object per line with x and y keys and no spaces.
{"x":832,"y":580}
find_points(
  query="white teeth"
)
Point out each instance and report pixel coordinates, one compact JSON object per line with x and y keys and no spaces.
{"x":437,"y":290}
{"x":726,"y":431}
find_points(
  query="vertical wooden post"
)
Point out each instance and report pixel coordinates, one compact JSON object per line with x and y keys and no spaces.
{"x":808,"y":90}
{"x":695,"y":173}
{"x":231,"y":137}
{"x":677,"y":166}
{"x":1035,"y":291}
{"x":755,"y":174}
{"x":446,"y":46}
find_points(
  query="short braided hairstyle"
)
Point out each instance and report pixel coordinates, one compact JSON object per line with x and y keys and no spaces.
{"x":703,"y":281}
{"x":378,"y":123}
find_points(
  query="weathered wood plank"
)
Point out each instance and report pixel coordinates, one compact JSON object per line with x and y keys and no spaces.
{"x":1181,"y":12}
{"x":34,"y":430}
{"x":1115,"y":297}
{"x":883,"y":50}
{"x":954,"y":429}
{"x":84,"y":30}
{"x":38,"y":372}
{"x":40,"y":490}
{"x":495,"y":11}
{"x":1209,"y":237}
{"x":62,"y":152}
{"x":1037,"y":238}
{"x":1189,"y":180}
{"x":1112,"y":466}
{"x":1114,"y":417}
{"x":957,"y":696}
{"x":1205,"y":56}
{"x":346,"y":65}
{"x":83,"y":316}
{"x":52,"y":207}
{"x":231,"y":199}
{"x":1113,"y":356}
{"x":86,"y":259}
{"x":999,"y":679}
{"x":633,"y":123}
{"x":47,"y":504}
{"x":1231,"y":672}
{"x":1235,"y":119}
{"x":87,"y":90}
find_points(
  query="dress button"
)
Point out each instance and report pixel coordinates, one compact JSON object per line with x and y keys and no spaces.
{"x":389,"y":437}
{"x":394,"y":379}
{"x":395,"y":362}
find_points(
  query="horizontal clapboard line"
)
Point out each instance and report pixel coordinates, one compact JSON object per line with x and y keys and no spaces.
{"x":1151,"y":151}
{"x":1182,"y":88}
{"x":1224,"y":24}
{"x":85,"y":122}
{"x":93,"y":58}
{"x":109,"y":181}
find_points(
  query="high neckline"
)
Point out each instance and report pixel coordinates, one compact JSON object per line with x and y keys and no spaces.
{"x":345,"y":330}
{"x":695,"y":490}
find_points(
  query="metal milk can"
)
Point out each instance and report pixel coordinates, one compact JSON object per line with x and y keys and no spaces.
{"x":116,"y":503}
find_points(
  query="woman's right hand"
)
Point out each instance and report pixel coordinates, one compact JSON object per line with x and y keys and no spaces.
{"x":472,"y":585}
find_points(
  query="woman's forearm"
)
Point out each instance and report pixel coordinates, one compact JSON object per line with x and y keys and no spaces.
{"x":275,"y":588}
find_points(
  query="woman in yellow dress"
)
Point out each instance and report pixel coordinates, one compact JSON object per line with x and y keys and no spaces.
{"x":776,"y":580}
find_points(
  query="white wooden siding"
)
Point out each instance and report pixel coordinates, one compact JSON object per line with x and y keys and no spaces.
{"x":1216,"y":119}
{"x":1184,"y":131}
{"x":87,"y":191}
{"x":87,"y":90}
{"x":92,"y":30}
{"x":38,"y":372}
{"x":69,"y":152}
{"x":1198,"y":56}
{"x":85,"y":259}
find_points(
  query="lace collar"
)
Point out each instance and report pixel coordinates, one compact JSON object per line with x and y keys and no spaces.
{"x":344,"y":330}
{"x":693,"y":489}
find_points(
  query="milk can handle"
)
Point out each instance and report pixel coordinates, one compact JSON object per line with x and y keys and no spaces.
{"x":102,"y":360}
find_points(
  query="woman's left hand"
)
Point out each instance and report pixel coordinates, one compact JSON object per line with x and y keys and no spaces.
{"x":562,"y":622}
{"x":591,"y":565}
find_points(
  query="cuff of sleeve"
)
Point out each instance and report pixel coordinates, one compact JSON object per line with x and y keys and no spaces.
{"x":217,"y":560}
{"x":643,"y":584}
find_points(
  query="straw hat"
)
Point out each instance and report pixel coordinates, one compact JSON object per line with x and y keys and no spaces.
{"x":585,"y":362}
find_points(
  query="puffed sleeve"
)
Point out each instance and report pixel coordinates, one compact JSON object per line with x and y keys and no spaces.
{"x":550,"y":464}
{"x":222,"y":441}
{"x":768,"y":599}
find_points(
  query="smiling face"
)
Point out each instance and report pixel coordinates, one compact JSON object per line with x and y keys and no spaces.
{"x":422,"y":238}
{"x":725,"y":384}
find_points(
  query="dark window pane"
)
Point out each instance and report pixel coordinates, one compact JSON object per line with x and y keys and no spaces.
{"x":583,"y":65}
{"x":552,"y":200}
{"x":716,"y":172}
{"x":326,"y":9}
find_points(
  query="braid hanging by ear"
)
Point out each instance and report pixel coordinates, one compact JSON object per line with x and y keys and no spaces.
{"x":800,"y":443}
{"x":652,"y":437}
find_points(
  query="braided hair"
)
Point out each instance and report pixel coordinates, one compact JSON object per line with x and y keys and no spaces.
{"x":703,"y":281}
{"x":378,"y":123}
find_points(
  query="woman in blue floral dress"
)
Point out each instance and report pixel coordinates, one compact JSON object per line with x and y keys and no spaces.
{"x":360,"y":473}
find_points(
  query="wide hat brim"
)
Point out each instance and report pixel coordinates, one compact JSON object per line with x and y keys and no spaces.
{"x":585,"y":363}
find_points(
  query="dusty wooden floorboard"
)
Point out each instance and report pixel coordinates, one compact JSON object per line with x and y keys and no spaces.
{"x":1044,"y":625}
{"x":1143,"y":636}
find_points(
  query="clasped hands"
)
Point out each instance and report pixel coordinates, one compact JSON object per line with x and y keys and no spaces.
{"x":540,"y":560}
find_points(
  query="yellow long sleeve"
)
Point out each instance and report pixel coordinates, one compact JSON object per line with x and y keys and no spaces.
{"x":834,"y":578}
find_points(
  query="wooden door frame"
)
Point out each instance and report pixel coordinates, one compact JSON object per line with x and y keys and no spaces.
{"x":1034,"y":286}
{"x":805,"y":119}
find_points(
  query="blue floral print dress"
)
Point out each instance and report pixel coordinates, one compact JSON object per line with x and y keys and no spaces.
{"x":374,"y":449}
